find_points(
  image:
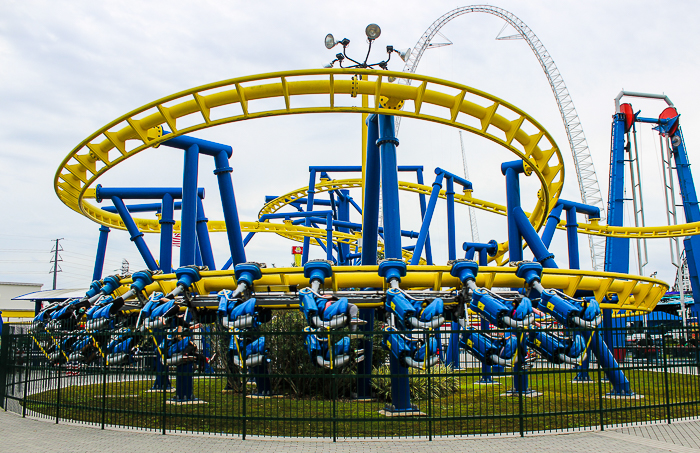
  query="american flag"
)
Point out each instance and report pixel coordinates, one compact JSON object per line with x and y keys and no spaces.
{"x":176,"y":239}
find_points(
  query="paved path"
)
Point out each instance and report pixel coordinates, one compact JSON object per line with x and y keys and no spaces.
{"x":30,"y":435}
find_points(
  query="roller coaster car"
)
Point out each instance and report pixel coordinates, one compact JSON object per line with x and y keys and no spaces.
{"x":70,"y":310}
{"x":156,"y":313}
{"x":414,"y":314}
{"x":54,"y":315}
{"x":556,"y":350}
{"x":328,"y":313}
{"x":238,"y":314}
{"x":58,"y":354}
{"x":411,"y":353}
{"x":570,"y":312}
{"x":121,"y":348}
{"x":182,"y":351}
{"x":100,"y":316}
{"x":41,"y":319}
{"x":253,"y":353}
{"x":323,"y":356}
{"x":502,"y":312}
{"x":84,"y":350}
{"x":489,"y":350}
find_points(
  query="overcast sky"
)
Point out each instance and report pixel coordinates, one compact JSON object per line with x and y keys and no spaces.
{"x":68,"y":68}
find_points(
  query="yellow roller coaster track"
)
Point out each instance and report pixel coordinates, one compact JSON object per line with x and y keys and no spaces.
{"x":634,"y":292}
{"x":449,"y":103}
{"x":134,"y":132}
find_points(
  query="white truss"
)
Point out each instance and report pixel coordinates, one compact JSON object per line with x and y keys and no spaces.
{"x":585,"y":172}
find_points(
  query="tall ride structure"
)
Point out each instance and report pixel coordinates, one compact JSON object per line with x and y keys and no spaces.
{"x":585,"y":171}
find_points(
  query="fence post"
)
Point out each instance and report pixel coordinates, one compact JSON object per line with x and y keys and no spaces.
{"x":4,"y":361}
{"x":26,"y":385}
{"x":600,"y":384}
{"x":164,"y":373}
{"x":430,"y":390}
{"x":334,"y":376}
{"x":666,"y":389}
{"x":244,"y":381}
{"x":518,"y":375}
{"x":103,"y":415}
{"x":58,"y":392}
{"x":697,"y":348}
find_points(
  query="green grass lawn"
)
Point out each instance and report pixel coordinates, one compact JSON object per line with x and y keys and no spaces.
{"x":472,"y":409}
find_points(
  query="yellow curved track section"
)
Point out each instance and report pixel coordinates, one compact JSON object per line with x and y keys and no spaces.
{"x":634,"y":292}
{"x":449,"y":103}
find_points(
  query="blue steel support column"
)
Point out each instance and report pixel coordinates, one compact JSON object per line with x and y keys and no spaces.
{"x":387,"y":142}
{"x":370,"y":230}
{"x":483,"y":257}
{"x":572,"y":238}
{"x":329,"y":236}
{"x":511,"y":171}
{"x":100,"y":255}
{"x":527,"y":231}
{"x":344,"y":216}
{"x":162,"y":381}
{"x":390,"y":187}
{"x":452,"y":356}
{"x":188,"y":222}
{"x":427,"y":218}
{"x":364,"y":368}
{"x":370,"y":205}
{"x":228,"y":202}
{"x":486,"y":377}
{"x":309,"y":207}
{"x":515,"y":243}
{"x":167,"y":220}
{"x":203,"y":237}
{"x":551,"y":225}
{"x":691,"y":209}
{"x":136,"y":235}
{"x":617,"y":250}
{"x":421,"y":198}
{"x":450,"y":195}
{"x":686,"y":185}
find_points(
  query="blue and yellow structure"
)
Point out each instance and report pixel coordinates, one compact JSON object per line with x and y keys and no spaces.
{"x":319,"y":215}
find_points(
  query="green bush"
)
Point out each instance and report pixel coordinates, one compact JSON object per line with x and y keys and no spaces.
{"x":290,"y":367}
{"x":441,"y":382}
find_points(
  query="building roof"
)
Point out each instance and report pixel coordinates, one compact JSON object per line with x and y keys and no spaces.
{"x":21,"y":284}
{"x":53,"y":295}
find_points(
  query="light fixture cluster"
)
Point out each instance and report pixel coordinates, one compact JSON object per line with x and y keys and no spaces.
{"x":373,"y":32}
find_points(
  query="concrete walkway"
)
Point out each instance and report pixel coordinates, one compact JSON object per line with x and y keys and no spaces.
{"x":31,"y":435}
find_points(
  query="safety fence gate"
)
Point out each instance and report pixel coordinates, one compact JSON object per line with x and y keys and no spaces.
{"x":286,"y":393}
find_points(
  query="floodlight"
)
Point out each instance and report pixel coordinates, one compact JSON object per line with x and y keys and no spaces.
{"x":330,"y":41}
{"x":404,"y":54}
{"x":373,"y":31}
{"x":329,"y":65}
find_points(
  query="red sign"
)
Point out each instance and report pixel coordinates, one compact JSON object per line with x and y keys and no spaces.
{"x":297,"y":250}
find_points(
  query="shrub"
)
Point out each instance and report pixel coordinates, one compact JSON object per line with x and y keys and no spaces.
{"x":442,"y":382}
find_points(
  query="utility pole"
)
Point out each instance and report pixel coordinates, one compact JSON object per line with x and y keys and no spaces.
{"x":55,"y":260}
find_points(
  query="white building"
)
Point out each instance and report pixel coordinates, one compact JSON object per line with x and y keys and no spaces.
{"x":23,"y":309}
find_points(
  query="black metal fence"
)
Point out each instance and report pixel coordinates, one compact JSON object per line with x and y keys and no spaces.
{"x":306,"y":401}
